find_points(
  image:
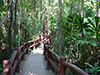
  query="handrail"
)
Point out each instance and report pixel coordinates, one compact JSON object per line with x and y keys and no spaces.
{"x":54,"y":54}
{"x":13,"y":63}
{"x":74,"y":68}
{"x":61,"y":60}
{"x":13,"y":57}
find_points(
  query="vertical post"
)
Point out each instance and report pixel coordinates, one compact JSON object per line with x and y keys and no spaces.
{"x":17,"y":58}
{"x":50,"y":40}
{"x":33,"y":44}
{"x":27,"y":47}
{"x":43,"y":38}
{"x":10,"y":70}
{"x":44,"y":49}
{"x":22,"y":50}
{"x":38,"y":41}
{"x":48,"y":57}
{"x":5,"y":63}
{"x":62,"y":68}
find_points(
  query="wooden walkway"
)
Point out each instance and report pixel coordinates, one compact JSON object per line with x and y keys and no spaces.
{"x":34,"y":64}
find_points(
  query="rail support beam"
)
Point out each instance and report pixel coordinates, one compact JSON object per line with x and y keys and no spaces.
{"x":48,"y":57}
{"x":17,"y":58}
{"x":22,"y":50}
{"x":33,"y":44}
{"x":27,"y":47}
{"x":62,"y":68}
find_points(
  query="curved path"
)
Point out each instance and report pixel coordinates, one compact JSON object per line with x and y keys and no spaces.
{"x":35,"y":64}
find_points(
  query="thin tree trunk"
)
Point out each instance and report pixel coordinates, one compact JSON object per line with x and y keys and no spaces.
{"x":25,"y":25}
{"x":8,"y":4}
{"x":34,"y":12}
{"x":41,"y":21}
{"x":82,"y":15}
{"x":0,"y":40}
{"x":45,"y":21}
{"x":82,"y":6}
{"x":72,"y":29}
{"x":98,"y":7}
{"x":20,"y":22}
{"x":11,"y":28}
{"x":1,"y":31}
{"x":15,"y":25}
{"x":60,"y":27}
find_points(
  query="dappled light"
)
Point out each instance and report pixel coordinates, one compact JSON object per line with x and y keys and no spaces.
{"x":49,"y":37}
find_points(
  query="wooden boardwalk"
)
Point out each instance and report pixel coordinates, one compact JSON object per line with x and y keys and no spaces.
{"x":35,"y":64}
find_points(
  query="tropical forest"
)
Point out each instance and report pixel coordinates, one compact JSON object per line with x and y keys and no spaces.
{"x":73,"y":24}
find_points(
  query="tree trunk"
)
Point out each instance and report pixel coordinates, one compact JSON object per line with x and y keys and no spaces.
{"x":20,"y":22}
{"x":45,"y":22}
{"x":0,"y":40}
{"x":82,"y":15}
{"x":82,"y":6}
{"x":11,"y":28}
{"x":15,"y":25}
{"x":34,"y":13}
{"x":25,"y":34}
{"x":72,"y":29}
{"x":60,"y":27}
{"x":98,"y":8}
{"x":41,"y":21}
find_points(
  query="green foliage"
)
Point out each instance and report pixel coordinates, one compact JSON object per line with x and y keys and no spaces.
{"x":94,"y":43}
{"x":93,"y":69}
{"x":95,"y":26}
{"x":1,"y":67}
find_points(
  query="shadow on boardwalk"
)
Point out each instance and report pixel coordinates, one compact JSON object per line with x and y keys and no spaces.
{"x":35,"y":64}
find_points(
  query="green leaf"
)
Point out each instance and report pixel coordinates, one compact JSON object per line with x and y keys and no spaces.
{"x":98,"y":70}
{"x":91,"y":22}
{"x":97,"y":21}
{"x":94,"y":43}
{"x":89,"y":65}
{"x":95,"y":64}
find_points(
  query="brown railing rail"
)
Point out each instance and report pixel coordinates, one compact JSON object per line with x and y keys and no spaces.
{"x":61,"y":70}
{"x":12,"y":65}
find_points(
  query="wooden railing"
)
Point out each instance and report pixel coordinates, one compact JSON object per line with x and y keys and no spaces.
{"x":61,"y":70}
{"x":12,"y":65}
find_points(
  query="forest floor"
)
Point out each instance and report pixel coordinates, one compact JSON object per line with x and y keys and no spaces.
{"x":34,"y":64}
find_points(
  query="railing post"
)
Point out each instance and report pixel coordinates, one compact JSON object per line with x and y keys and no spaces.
{"x":62,"y":68}
{"x":43,"y":39}
{"x":10,"y":70}
{"x":44,"y":49}
{"x":17,"y":58}
{"x":48,"y":57}
{"x":38,"y":42}
{"x":33,"y":44}
{"x":22,"y":50}
{"x":27,"y":47}
{"x":5,"y":63}
{"x":48,"y":42}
